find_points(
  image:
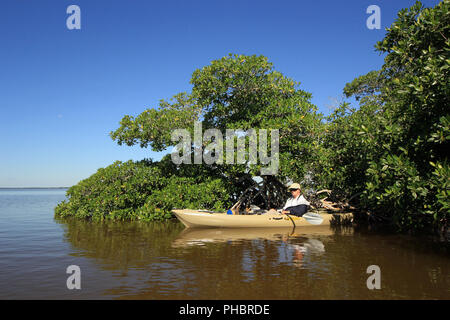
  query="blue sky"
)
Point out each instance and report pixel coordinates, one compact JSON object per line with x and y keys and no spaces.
{"x":62,"y":91}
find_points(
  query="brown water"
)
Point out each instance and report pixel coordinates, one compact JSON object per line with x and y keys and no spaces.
{"x":163,"y":261}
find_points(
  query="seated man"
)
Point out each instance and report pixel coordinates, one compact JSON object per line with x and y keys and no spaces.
{"x":297,"y":205}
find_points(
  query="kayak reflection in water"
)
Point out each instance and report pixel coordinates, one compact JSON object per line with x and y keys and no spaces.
{"x":295,"y":253}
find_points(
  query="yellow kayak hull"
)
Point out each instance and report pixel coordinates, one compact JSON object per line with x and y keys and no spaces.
{"x":202,"y":219}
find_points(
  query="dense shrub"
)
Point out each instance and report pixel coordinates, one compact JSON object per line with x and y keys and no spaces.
{"x":139,"y":191}
{"x":393,"y":149}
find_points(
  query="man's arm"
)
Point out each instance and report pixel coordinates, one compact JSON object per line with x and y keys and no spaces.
{"x":297,"y":210}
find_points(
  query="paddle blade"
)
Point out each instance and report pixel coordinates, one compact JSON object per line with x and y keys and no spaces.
{"x":313,"y":218}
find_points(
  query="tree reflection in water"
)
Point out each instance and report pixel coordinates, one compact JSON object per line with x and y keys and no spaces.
{"x":165,"y":261}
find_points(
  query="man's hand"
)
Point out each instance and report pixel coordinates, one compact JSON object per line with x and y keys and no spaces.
{"x":285,"y":212}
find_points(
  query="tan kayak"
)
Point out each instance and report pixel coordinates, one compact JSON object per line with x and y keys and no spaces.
{"x":199,"y":219}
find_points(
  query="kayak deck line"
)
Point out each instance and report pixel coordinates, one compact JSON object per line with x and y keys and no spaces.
{"x":201,"y":219}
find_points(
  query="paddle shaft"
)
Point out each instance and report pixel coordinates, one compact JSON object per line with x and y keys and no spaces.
{"x":311,"y":220}
{"x":291,"y":220}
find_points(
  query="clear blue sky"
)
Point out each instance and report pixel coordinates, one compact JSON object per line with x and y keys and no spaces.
{"x":62,"y":91}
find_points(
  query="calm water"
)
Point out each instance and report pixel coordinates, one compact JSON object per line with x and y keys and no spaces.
{"x":163,"y":261}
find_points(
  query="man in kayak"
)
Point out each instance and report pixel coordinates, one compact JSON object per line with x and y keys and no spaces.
{"x":296,"y":205}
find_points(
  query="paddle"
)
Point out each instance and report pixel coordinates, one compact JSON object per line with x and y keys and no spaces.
{"x":312,"y":218}
{"x":231,"y":211}
{"x":292,"y":222}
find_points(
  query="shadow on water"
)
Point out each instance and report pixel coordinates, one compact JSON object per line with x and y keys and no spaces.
{"x":165,"y":261}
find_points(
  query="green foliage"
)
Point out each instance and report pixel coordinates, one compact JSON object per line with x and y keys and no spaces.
{"x":154,"y":126}
{"x":364,"y":86}
{"x":235,"y":92}
{"x":140,"y":191}
{"x":393,"y":149}
{"x":351,"y":140}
